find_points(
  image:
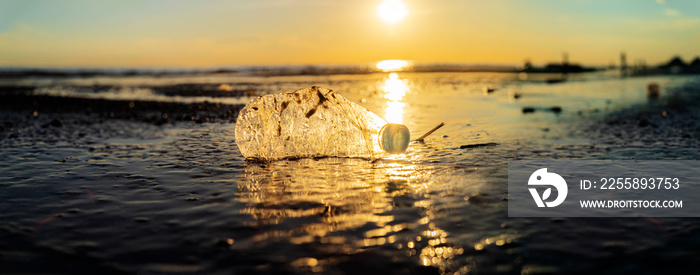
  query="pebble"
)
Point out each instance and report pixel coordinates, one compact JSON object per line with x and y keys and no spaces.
{"x":224,"y":242}
{"x":643,"y":122}
{"x":56,"y":123}
{"x":477,"y":145}
{"x":653,"y":90}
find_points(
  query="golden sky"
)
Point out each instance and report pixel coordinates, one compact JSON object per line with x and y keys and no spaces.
{"x":277,"y":32}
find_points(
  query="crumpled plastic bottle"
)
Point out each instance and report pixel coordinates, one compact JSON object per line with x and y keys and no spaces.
{"x":314,"y":122}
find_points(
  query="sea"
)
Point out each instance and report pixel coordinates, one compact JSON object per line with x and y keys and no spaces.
{"x":115,"y":195}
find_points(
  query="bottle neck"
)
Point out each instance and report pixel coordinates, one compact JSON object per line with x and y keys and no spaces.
{"x":394,"y":138}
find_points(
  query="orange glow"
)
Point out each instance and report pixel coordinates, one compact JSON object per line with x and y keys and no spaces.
{"x":278,"y":33}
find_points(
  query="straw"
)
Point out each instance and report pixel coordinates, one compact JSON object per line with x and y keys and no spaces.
{"x":421,"y":138}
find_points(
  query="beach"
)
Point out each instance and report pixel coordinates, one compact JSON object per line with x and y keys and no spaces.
{"x":141,"y":174}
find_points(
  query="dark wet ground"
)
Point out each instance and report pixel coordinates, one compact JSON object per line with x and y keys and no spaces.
{"x":90,"y":192}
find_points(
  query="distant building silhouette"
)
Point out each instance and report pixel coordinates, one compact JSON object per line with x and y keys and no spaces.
{"x":623,"y":63}
{"x":694,"y":66}
{"x":675,"y":66}
{"x":564,"y":67}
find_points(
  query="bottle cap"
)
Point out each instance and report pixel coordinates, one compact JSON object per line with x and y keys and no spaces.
{"x":394,"y":138}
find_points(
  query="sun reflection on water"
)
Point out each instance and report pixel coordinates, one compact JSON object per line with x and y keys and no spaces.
{"x":394,"y":112}
{"x":395,"y":89}
{"x":316,"y":202}
{"x":346,"y":192}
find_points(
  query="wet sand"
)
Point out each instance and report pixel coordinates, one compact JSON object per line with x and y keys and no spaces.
{"x":99,"y":186}
{"x":664,"y":128}
{"x":18,"y":99}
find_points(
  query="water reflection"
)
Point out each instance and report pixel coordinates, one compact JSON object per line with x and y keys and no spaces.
{"x":343,"y":198}
{"x":394,"y":112}
{"x":349,"y":205}
{"x":395,"y":89}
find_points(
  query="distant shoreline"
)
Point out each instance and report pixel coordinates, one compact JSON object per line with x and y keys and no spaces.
{"x":675,"y":66}
{"x":266,"y":71}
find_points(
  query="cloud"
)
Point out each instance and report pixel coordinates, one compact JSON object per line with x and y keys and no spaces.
{"x":672,"y":12}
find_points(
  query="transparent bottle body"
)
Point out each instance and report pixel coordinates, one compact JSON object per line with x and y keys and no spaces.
{"x":310,"y":122}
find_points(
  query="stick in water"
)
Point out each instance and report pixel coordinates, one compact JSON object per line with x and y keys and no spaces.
{"x":421,"y":138}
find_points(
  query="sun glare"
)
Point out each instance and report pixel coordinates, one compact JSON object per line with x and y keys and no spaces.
{"x":395,"y":89}
{"x":392,"y":65}
{"x":392,"y":11}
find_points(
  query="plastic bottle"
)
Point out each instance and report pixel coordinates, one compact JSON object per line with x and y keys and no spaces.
{"x":314,"y":122}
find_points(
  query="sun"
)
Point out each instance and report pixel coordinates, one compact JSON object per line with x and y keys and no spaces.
{"x":392,"y":11}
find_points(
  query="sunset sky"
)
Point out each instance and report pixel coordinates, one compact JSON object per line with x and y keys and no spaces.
{"x":279,"y":32}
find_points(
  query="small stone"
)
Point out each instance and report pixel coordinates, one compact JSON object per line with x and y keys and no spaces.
{"x":225,"y":88}
{"x":162,"y":122}
{"x":56,"y":123}
{"x":643,"y":122}
{"x":306,"y":261}
{"x":527,"y":110}
{"x":224,"y":242}
{"x":653,"y":90}
{"x":478,"y":145}
{"x":558,"y":220}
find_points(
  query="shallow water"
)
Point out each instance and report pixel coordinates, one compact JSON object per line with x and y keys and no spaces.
{"x":119,"y":195}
